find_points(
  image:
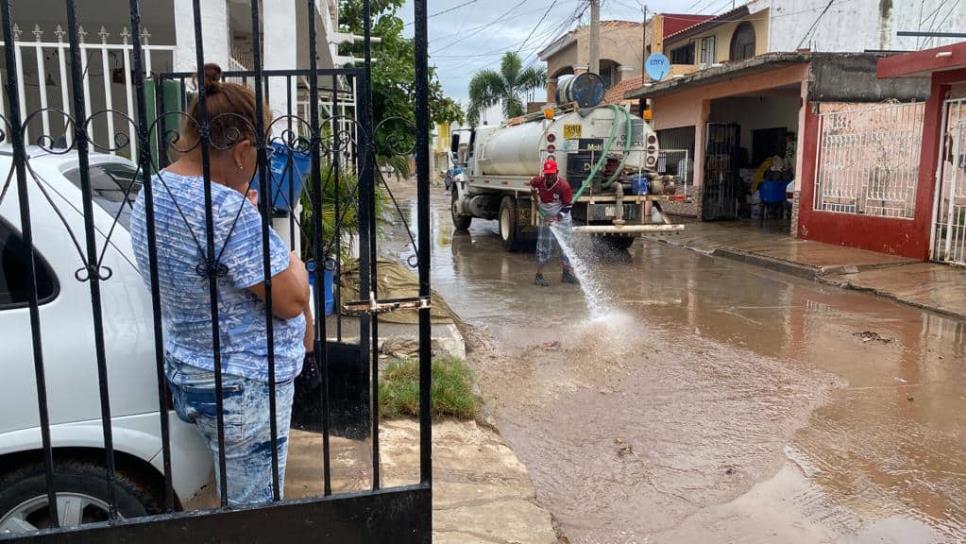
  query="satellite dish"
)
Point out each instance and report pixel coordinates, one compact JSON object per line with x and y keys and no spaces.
{"x":658,"y":66}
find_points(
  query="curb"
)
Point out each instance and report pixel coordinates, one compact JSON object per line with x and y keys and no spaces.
{"x":801,"y":271}
{"x":846,"y":284}
{"x":825,"y":275}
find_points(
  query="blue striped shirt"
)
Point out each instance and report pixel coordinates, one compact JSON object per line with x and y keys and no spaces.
{"x":184,"y":291}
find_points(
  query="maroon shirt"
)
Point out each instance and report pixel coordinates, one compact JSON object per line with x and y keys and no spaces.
{"x":555,"y":198}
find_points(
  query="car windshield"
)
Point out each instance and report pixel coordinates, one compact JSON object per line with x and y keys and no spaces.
{"x":115,"y":188}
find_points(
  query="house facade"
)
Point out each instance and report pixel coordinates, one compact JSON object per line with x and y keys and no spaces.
{"x":790,"y":90}
{"x":621,"y":53}
{"x":44,"y":63}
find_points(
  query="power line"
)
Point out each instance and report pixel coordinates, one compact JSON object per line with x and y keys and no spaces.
{"x":563,"y":27}
{"x":815,"y":23}
{"x":481,"y":28}
{"x":940,"y":23}
{"x":535,"y":27}
{"x":454,"y":8}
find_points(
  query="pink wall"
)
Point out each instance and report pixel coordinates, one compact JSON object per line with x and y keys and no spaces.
{"x":690,"y":107}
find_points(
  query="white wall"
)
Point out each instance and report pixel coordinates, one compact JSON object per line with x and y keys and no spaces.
{"x":857,"y":25}
{"x":492,"y":115}
{"x":753,"y":113}
{"x":215,"y":36}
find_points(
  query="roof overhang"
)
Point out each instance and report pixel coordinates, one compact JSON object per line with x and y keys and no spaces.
{"x":831,"y":77}
{"x":754,"y":65}
{"x":693,"y":30}
{"x":923,"y":63}
{"x":558,"y":45}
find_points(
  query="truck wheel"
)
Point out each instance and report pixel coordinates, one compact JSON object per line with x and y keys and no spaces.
{"x":509,"y":230}
{"x":461,"y":222}
{"x":616,"y":243}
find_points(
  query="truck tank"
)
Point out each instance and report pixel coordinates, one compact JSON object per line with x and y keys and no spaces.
{"x":519,"y":150}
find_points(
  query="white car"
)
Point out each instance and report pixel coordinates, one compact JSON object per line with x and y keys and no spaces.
{"x":69,"y":358}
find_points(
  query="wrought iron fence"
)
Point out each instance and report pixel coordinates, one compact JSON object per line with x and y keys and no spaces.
{"x":868,"y":160}
{"x":949,"y":233}
{"x":43,"y":208}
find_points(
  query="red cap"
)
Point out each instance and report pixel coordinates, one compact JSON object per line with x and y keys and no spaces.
{"x":549,"y":166}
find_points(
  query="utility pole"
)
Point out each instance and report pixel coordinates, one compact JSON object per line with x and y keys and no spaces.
{"x":644,"y":40}
{"x":595,"y":36}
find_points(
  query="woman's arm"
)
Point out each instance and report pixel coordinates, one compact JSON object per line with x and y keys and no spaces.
{"x":290,"y":289}
{"x":309,"y":338}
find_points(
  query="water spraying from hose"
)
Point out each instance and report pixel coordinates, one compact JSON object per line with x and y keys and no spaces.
{"x":598,"y":304}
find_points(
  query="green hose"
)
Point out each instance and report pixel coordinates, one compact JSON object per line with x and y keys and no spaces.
{"x":603,"y":157}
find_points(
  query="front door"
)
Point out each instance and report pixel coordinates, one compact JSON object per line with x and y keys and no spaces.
{"x":722,"y":183}
{"x":949,"y":228}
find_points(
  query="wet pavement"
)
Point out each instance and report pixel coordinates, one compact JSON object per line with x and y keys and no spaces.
{"x":715,"y":401}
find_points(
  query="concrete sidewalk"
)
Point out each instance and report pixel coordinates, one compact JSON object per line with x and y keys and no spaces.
{"x":935,"y":287}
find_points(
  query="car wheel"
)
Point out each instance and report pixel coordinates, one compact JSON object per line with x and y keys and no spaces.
{"x":82,"y":497}
{"x":461,"y":222}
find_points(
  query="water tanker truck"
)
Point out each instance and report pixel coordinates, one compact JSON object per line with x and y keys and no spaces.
{"x":608,"y":156}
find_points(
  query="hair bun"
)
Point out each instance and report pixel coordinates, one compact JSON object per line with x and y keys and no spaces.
{"x":212,"y":78}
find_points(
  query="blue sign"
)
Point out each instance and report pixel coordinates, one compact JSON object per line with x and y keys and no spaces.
{"x":657,"y":66}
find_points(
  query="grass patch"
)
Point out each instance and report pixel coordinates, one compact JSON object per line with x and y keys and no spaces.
{"x":452,"y":393}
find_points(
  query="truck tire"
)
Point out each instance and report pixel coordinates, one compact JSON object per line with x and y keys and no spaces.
{"x":509,"y":229}
{"x":616,"y":243}
{"x":461,"y":222}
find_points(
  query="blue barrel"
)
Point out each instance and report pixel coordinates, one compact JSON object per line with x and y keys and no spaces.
{"x":639,"y":185}
{"x":772,"y":191}
{"x":289,"y":168}
{"x":328,"y":275}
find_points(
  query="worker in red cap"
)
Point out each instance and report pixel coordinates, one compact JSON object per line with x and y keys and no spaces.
{"x":555,"y":201}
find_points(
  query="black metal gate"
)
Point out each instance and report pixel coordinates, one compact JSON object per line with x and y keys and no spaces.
{"x":722,"y":184}
{"x":336,"y":145}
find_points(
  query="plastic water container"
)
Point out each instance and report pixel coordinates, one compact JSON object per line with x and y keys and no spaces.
{"x":287,"y":177}
{"x":327,"y":280}
{"x":773,"y":191}
{"x":639,"y":185}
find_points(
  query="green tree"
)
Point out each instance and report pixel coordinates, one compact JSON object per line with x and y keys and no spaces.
{"x":393,"y":80}
{"x":489,"y":87}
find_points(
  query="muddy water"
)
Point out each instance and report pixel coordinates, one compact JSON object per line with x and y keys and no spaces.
{"x":718,"y":402}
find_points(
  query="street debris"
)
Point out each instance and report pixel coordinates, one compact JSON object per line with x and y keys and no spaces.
{"x":551,"y":346}
{"x":871,"y":336}
{"x":625,"y":449}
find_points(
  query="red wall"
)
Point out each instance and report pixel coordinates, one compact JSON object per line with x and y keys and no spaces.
{"x":909,"y":238}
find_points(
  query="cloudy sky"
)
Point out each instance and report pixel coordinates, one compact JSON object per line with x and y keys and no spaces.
{"x":468,"y":35}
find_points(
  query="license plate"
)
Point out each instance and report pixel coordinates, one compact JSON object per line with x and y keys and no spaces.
{"x":572,"y":131}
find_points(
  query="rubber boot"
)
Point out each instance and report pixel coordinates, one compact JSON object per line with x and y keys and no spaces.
{"x":540,"y":280}
{"x":568,"y":277}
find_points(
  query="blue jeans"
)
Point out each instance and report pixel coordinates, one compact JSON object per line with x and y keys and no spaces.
{"x":248,"y":438}
{"x":546,"y":240}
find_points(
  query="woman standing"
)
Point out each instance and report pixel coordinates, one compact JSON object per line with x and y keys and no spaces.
{"x":179,"y":213}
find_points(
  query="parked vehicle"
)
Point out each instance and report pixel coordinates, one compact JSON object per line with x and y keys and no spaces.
{"x":69,"y":357}
{"x":600,"y":150}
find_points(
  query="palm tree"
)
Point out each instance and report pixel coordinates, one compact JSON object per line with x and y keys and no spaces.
{"x":489,"y":87}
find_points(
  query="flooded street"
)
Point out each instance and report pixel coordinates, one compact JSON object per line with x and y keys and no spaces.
{"x":714,"y":401}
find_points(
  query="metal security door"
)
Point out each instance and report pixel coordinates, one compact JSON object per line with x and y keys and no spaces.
{"x":722,"y":184}
{"x":335,"y":142}
{"x":949,"y":232}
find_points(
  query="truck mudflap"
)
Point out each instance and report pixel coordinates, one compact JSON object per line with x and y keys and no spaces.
{"x":627,"y":230}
